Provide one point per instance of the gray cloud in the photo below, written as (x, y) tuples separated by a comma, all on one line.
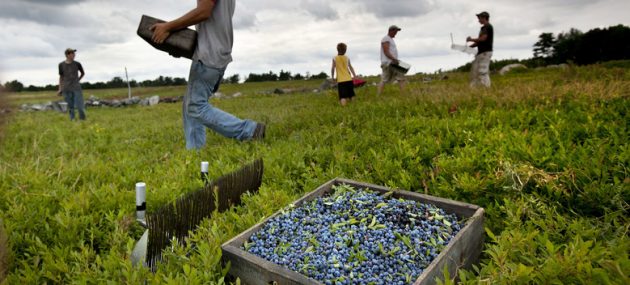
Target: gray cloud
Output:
[(244, 17), (319, 9), (558, 3), (53, 2), (397, 8), (40, 13), (247, 11)]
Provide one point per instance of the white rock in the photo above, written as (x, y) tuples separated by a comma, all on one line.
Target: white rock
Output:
[(510, 67), (154, 100)]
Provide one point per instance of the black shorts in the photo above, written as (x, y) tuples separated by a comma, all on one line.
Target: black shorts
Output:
[(346, 89)]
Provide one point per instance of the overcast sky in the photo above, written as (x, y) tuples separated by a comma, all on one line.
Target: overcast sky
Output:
[(295, 35)]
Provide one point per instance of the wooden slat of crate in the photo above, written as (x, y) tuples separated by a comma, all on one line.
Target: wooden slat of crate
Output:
[(461, 252)]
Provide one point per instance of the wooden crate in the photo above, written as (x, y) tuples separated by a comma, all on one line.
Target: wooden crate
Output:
[(461, 252), (180, 43)]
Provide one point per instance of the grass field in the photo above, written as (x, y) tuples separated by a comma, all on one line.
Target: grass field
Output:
[(546, 152)]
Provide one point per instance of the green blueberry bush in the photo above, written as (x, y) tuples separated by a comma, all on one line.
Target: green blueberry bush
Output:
[(545, 152)]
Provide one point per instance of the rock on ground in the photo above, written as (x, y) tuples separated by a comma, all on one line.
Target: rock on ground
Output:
[(510, 67)]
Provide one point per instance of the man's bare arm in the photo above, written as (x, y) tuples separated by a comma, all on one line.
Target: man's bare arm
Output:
[(203, 11), (481, 38), (385, 46), (60, 85)]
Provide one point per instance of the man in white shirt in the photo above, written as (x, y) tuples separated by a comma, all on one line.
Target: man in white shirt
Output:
[(389, 55)]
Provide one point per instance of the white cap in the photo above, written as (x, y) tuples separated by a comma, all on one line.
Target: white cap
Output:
[(141, 189)]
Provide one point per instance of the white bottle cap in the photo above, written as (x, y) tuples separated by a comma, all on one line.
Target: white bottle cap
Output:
[(141, 189)]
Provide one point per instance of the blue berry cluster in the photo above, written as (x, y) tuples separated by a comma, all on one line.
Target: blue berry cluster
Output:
[(356, 236)]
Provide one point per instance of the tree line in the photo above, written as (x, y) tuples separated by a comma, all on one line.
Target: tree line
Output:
[(283, 76), (118, 82), (596, 45)]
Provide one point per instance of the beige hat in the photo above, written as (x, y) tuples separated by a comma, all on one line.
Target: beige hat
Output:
[(70, 50)]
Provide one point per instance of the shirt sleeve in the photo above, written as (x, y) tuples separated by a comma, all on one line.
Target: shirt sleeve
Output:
[(80, 67), (60, 70), (484, 30)]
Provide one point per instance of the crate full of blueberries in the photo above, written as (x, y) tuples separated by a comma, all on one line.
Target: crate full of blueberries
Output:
[(349, 232)]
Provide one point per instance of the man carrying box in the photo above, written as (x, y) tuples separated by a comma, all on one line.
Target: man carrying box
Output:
[(213, 20), (389, 56)]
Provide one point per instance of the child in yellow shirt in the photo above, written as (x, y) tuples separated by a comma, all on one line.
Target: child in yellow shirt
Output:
[(341, 64)]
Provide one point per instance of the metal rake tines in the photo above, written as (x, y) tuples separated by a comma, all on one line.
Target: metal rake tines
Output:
[(177, 219), (4, 253), (230, 187)]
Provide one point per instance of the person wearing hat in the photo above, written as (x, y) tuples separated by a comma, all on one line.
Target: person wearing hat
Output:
[(213, 20), (70, 73), (480, 70), (389, 55)]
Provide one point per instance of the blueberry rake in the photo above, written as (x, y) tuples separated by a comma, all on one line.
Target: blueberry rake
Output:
[(4, 253), (175, 220)]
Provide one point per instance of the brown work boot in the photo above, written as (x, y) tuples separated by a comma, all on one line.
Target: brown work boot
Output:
[(259, 132)]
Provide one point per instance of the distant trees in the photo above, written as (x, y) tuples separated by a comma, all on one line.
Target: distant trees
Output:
[(564, 50), (607, 44), (596, 45), (234, 79), (161, 81), (14, 86), (321, 75), (543, 48), (270, 76), (116, 82), (282, 76)]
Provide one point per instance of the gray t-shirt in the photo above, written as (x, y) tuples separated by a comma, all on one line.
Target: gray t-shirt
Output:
[(215, 36), (69, 73)]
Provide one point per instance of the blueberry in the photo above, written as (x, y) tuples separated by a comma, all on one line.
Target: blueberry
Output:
[(334, 252)]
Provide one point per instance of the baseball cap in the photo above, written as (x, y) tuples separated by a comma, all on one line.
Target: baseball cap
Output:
[(70, 50), (483, 14), (394, 27)]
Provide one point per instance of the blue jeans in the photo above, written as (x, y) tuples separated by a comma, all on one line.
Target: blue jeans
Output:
[(198, 113), (75, 100)]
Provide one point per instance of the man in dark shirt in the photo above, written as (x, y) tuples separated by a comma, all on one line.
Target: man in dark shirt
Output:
[(480, 70), (69, 85)]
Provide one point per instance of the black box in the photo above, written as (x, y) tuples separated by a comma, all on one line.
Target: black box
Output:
[(180, 43)]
